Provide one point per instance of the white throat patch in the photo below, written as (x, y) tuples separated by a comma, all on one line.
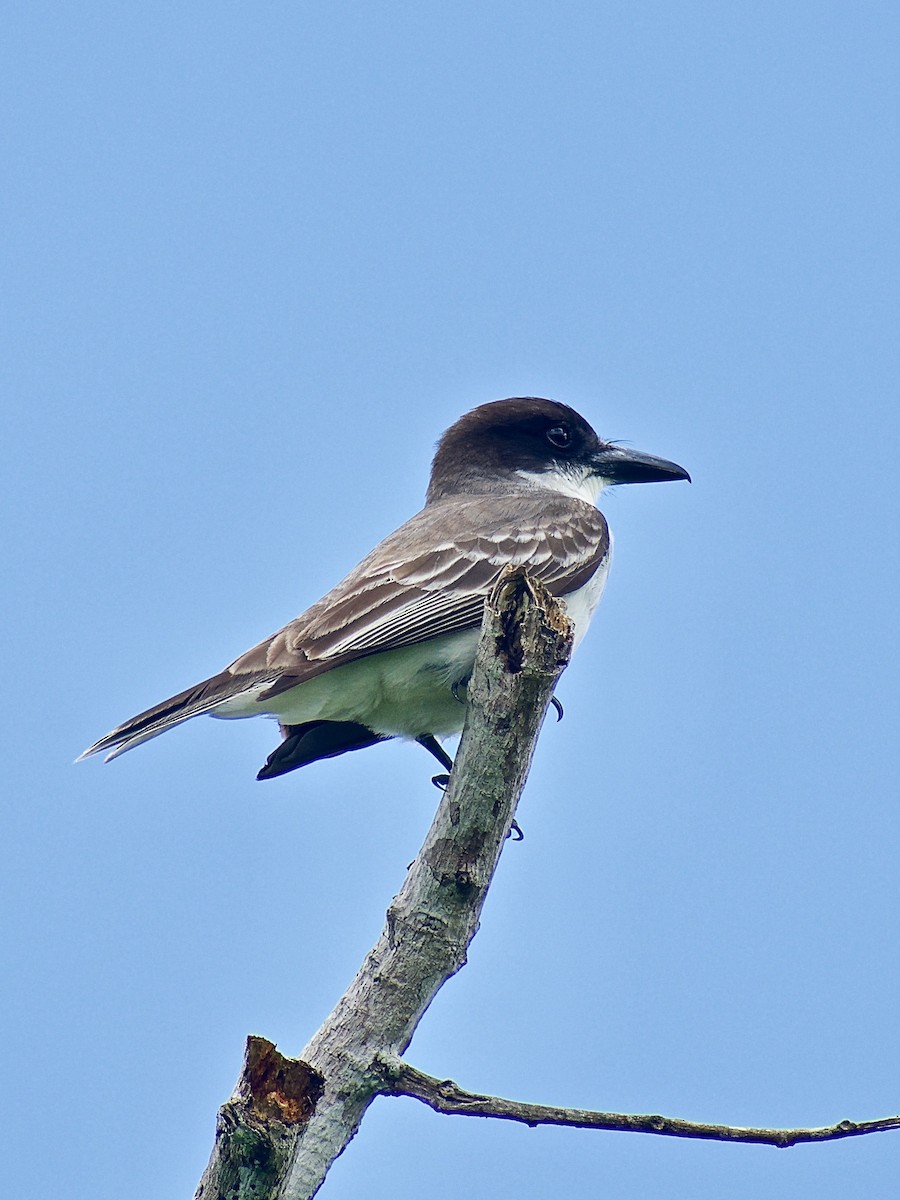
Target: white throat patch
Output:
[(579, 483)]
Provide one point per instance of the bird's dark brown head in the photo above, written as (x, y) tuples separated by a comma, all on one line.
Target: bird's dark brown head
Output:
[(506, 442)]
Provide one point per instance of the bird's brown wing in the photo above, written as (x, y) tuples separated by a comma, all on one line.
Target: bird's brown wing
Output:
[(431, 578), (428, 578)]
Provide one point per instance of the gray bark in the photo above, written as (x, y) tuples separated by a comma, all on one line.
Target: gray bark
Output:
[(289, 1119)]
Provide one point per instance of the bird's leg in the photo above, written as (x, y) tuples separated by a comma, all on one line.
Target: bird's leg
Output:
[(560, 711), (431, 743), (433, 746)]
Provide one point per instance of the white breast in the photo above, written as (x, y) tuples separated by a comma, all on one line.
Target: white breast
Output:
[(582, 603)]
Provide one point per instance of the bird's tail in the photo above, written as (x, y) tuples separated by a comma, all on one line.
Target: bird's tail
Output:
[(201, 698)]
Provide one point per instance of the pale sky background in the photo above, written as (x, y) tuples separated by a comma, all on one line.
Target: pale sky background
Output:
[(256, 259)]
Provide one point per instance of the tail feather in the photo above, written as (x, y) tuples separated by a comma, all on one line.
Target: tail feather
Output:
[(201, 698)]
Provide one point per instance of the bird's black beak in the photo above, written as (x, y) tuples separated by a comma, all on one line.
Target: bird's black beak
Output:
[(618, 464)]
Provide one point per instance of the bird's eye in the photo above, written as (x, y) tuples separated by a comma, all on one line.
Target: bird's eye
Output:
[(559, 435)]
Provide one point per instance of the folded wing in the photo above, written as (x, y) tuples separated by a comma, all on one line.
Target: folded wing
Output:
[(428, 578)]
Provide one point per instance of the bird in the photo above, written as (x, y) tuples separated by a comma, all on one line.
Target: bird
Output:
[(388, 651)]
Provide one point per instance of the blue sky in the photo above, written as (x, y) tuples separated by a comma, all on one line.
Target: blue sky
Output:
[(256, 259)]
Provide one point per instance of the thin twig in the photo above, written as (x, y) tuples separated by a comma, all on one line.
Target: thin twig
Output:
[(444, 1096)]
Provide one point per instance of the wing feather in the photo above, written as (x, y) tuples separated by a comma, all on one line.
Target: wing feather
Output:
[(399, 596)]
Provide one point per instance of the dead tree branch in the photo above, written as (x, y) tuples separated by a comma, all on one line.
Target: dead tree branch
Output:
[(288, 1119), (444, 1096)]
